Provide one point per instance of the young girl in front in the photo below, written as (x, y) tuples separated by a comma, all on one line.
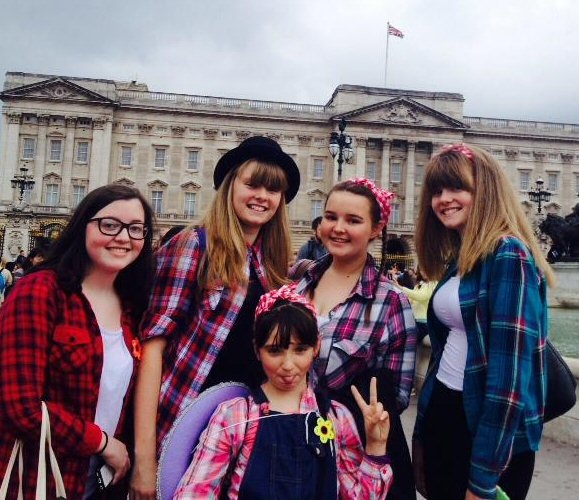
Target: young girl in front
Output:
[(285, 441), (197, 330)]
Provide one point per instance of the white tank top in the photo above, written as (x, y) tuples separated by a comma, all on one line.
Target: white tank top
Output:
[(446, 306), (115, 379)]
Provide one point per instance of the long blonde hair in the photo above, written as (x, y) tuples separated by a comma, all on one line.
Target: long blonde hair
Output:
[(226, 246), (495, 213)]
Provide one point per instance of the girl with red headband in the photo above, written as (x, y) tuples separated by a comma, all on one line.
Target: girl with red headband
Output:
[(366, 325), (285, 441)]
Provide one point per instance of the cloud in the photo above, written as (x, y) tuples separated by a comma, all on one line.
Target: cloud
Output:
[(511, 59)]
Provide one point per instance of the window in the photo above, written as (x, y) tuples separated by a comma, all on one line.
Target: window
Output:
[(82, 152), (396, 173), (395, 215), (553, 156), (28, 148), (52, 195), (157, 201), (192, 160), (371, 170), (126, 156), (55, 150), (190, 207), (317, 209), (524, 180), (128, 126), (418, 174), (160, 157), (577, 184), (553, 182), (78, 193), (84, 122), (318, 168)]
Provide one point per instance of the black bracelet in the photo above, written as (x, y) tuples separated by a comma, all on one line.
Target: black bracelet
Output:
[(100, 452)]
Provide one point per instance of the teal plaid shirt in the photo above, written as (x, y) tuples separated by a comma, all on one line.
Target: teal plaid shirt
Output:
[(504, 309)]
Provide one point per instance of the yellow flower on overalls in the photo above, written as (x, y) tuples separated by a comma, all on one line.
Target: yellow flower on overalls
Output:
[(325, 429)]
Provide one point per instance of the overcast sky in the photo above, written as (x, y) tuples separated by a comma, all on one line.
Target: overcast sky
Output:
[(509, 58)]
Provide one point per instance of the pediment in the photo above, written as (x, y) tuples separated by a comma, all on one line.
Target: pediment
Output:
[(191, 185), (316, 192), (57, 89), (402, 111), (124, 181)]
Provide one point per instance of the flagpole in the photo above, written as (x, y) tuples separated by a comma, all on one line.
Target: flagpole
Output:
[(386, 59)]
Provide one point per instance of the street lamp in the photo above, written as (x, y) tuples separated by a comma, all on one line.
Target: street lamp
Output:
[(23, 182), (341, 145), (539, 195)]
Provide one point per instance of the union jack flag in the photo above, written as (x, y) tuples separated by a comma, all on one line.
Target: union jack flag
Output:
[(395, 32)]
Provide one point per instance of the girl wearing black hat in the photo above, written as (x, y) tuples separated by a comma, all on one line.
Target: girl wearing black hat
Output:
[(197, 330)]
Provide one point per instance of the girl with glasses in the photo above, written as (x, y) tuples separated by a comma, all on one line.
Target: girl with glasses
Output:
[(69, 338)]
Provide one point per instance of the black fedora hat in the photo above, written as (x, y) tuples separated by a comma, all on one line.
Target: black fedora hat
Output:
[(259, 148)]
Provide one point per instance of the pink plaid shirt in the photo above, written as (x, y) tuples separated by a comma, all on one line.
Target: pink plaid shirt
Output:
[(359, 476), (351, 345), (195, 331)]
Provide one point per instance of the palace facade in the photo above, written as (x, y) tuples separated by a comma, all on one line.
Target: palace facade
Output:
[(71, 135)]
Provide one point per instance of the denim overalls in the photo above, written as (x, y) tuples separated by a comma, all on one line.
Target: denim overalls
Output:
[(288, 460)]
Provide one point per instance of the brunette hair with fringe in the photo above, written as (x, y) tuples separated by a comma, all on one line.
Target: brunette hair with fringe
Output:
[(495, 213), (68, 255), (375, 212), (226, 253), (287, 318)]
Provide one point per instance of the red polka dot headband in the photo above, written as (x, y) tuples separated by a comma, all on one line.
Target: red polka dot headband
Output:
[(382, 196), (459, 148), (286, 292)]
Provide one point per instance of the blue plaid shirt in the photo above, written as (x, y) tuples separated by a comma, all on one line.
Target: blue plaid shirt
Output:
[(504, 308)]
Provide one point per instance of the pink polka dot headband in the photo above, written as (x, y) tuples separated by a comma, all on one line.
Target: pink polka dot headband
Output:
[(382, 196), (459, 148), (286, 292)]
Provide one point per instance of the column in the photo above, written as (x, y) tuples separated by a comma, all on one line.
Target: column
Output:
[(40, 163), (10, 154), (101, 152), (65, 186), (409, 194), (385, 177), (360, 158)]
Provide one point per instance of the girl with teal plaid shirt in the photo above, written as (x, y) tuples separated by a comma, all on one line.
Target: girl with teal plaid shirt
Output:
[(480, 411)]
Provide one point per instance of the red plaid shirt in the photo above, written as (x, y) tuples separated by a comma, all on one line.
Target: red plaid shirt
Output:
[(196, 332), (51, 350)]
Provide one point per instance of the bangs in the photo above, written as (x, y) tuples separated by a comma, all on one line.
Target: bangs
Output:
[(286, 319), (449, 171), (268, 175)]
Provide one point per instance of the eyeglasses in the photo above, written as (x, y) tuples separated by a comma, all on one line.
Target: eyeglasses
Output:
[(110, 226)]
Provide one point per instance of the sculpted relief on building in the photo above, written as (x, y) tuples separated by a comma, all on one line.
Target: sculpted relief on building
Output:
[(75, 134)]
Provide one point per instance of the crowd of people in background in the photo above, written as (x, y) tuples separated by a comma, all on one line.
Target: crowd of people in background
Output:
[(118, 335)]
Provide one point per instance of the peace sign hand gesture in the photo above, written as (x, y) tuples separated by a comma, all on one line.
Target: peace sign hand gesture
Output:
[(376, 420)]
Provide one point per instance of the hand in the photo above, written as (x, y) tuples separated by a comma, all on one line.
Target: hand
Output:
[(418, 466), (144, 481), (117, 456), (471, 496), (376, 420)]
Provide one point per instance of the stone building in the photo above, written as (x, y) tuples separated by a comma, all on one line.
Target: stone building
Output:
[(74, 134)]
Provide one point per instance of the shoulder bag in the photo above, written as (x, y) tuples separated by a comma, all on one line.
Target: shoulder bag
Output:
[(17, 452), (561, 385)]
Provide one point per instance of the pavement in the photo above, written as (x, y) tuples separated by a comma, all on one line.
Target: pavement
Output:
[(556, 475)]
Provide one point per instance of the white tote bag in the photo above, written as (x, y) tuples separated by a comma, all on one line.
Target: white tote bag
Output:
[(41, 475)]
